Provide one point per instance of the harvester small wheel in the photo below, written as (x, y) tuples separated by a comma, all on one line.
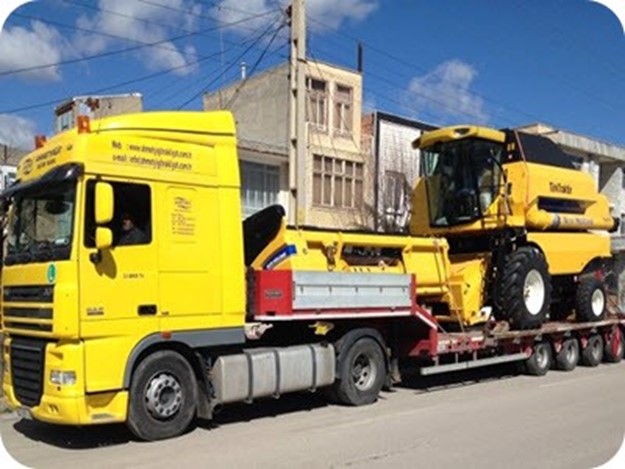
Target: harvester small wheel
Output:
[(163, 396), (592, 354), (568, 356), (613, 349), (590, 301), (539, 362), (361, 373), (524, 289)]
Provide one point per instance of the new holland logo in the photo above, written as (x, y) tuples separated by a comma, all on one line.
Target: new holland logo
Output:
[(560, 188)]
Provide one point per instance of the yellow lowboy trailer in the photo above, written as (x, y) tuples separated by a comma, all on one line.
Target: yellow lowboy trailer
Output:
[(131, 292)]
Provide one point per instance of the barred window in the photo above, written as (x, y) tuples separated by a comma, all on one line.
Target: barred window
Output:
[(337, 182)]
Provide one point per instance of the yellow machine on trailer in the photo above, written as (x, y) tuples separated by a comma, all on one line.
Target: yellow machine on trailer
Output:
[(516, 202)]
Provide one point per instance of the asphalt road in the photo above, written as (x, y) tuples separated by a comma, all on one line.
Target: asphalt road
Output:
[(484, 419)]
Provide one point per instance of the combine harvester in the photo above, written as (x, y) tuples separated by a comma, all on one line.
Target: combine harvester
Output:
[(198, 311)]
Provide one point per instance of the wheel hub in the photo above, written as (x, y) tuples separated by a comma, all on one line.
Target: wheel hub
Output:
[(163, 396), (534, 292), (363, 372), (597, 302)]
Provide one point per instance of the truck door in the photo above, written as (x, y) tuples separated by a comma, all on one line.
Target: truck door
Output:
[(119, 292)]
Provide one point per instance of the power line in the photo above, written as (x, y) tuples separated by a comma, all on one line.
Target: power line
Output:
[(257, 40), (127, 49)]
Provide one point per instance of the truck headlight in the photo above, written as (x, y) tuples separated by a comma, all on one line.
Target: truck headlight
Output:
[(63, 378)]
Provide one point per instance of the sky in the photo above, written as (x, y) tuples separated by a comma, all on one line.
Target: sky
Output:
[(497, 63)]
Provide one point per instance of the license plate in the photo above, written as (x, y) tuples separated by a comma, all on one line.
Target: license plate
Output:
[(24, 413)]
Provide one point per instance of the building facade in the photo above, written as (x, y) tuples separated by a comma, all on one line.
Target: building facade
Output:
[(96, 107), (338, 174), (10, 157)]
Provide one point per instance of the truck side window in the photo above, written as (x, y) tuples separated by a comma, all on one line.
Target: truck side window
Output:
[(132, 222)]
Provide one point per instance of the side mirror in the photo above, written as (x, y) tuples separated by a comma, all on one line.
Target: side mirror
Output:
[(103, 238), (104, 203)]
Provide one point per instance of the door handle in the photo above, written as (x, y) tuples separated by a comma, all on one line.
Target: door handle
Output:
[(146, 310)]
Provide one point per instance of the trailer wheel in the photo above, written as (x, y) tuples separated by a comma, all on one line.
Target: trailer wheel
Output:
[(163, 396), (593, 353), (361, 373), (540, 361), (524, 291), (590, 300), (568, 357), (613, 350)]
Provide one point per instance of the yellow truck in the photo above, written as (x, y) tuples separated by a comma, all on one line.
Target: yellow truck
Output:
[(132, 292)]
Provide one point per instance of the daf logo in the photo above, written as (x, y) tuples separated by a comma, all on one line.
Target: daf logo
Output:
[(27, 166)]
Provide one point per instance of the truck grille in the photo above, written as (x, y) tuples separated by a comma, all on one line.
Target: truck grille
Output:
[(28, 308), (27, 365)]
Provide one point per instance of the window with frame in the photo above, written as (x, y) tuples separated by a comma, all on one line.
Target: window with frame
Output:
[(337, 182), (132, 221), (343, 105), (317, 103)]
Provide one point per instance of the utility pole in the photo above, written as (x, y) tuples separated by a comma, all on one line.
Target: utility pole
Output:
[(297, 114)]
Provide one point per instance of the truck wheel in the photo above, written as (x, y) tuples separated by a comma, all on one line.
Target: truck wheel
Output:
[(590, 301), (525, 289), (613, 350), (568, 357), (540, 361), (163, 396), (361, 373), (592, 354)]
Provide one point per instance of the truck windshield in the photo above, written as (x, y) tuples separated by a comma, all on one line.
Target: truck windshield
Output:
[(40, 223), (462, 179)]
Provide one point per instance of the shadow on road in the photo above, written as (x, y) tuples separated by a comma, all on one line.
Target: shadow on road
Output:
[(78, 438)]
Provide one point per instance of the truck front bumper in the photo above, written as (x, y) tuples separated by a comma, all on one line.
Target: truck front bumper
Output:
[(90, 409)]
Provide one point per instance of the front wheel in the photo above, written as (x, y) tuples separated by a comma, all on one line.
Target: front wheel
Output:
[(590, 301), (163, 396), (361, 373)]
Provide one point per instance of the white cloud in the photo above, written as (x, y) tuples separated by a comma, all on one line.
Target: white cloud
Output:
[(16, 131), (127, 23), (445, 92), (22, 48), (332, 13)]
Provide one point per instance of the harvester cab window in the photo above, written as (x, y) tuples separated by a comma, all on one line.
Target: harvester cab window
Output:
[(132, 220), (462, 179)]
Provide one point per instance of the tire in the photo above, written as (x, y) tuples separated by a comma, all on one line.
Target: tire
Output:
[(540, 361), (613, 349), (568, 357), (163, 397), (590, 300), (524, 293), (593, 353), (361, 373)]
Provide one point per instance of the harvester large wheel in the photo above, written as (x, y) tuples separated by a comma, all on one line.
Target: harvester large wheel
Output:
[(590, 301), (524, 290)]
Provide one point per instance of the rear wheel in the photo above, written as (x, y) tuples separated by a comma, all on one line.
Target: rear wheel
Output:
[(163, 396), (613, 350), (593, 353), (524, 292), (590, 300), (361, 373), (568, 356), (540, 361)]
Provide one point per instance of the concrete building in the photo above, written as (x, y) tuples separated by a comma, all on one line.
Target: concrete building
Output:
[(606, 163), (397, 166), (95, 107), (339, 189)]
